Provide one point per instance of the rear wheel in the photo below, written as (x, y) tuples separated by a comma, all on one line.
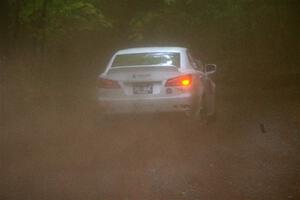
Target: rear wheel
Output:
[(198, 112), (212, 117), (103, 120)]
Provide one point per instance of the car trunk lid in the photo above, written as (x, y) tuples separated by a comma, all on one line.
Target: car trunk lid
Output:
[(143, 80)]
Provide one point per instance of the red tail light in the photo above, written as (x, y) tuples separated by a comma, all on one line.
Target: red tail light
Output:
[(185, 81), (108, 84)]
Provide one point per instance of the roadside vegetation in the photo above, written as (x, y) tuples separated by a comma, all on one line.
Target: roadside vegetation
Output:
[(52, 49)]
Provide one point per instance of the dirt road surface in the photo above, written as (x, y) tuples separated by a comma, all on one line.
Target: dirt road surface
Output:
[(60, 150)]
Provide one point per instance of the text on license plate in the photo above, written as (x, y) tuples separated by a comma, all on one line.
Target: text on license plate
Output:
[(143, 89)]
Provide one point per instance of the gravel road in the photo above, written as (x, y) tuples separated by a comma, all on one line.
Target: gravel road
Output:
[(62, 151)]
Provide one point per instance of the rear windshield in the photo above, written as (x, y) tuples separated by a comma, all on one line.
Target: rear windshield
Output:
[(148, 59)]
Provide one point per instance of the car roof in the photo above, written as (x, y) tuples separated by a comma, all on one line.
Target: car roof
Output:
[(151, 49)]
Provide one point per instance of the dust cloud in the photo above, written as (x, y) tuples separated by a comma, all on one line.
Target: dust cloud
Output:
[(54, 146)]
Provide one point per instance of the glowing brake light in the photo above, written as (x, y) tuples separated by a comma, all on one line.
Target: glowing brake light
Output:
[(185, 80), (108, 84)]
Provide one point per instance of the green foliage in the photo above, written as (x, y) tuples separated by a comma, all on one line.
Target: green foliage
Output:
[(221, 28), (61, 18), (77, 16), (169, 2)]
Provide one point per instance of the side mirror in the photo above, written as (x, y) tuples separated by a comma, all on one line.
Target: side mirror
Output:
[(210, 68), (198, 62)]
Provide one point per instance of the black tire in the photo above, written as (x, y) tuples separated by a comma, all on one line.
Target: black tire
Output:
[(103, 120), (212, 118), (207, 118), (198, 113)]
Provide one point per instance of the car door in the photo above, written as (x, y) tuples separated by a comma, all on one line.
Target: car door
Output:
[(206, 80), (198, 67)]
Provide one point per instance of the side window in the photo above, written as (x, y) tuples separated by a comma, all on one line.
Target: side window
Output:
[(200, 65), (196, 64)]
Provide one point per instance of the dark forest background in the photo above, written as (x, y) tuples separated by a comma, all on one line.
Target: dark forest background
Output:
[(54, 145), (47, 45)]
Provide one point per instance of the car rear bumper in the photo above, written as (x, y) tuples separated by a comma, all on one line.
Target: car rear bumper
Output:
[(178, 103)]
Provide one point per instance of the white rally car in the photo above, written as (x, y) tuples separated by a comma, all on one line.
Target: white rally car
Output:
[(156, 80)]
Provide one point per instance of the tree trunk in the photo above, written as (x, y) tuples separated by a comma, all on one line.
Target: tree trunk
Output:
[(4, 23), (17, 24), (44, 26)]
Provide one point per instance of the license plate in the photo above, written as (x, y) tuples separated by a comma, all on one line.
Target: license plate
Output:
[(143, 89)]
